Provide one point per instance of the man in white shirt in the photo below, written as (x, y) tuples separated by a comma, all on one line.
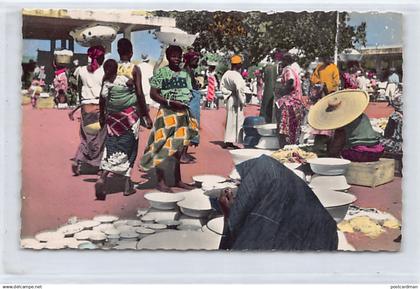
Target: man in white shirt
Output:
[(233, 89)]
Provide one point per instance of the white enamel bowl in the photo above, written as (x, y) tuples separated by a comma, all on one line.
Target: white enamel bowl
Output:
[(329, 166), (208, 179), (336, 203), (337, 183), (180, 240), (268, 129), (163, 201), (242, 155), (197, 206), (216, 225), (268, 143), (180, 39), (215, 190)]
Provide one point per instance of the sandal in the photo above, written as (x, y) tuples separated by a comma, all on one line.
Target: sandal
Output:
[(75, 168), (129, 190)]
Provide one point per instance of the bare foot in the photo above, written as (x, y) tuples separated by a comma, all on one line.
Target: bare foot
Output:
[(186, 186), (100, 190)]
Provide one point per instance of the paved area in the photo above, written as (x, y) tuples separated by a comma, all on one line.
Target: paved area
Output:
[(51, 195)]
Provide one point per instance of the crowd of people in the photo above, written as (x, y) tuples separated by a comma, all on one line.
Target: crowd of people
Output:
[(114, 99), (290, 93)]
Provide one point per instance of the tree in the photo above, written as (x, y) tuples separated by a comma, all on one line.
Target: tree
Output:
[(255, 34)]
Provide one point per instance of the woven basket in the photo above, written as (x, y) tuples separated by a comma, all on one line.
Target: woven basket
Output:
[(46, 102), (26, 100)]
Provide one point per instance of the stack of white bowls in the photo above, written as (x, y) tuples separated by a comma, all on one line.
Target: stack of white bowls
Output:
[(330, 185), (269, 139)]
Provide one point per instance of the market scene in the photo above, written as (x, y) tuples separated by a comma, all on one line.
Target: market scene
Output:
[(199, 130)]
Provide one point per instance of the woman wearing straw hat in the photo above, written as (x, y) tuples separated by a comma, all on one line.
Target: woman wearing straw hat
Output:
[(233, 89), (354, 138)]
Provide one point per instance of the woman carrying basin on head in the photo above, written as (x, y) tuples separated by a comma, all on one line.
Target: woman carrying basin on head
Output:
[(92, 136), (174, 126), (122, 106)]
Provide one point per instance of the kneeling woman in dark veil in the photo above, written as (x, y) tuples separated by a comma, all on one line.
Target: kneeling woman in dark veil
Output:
[(274, 209)]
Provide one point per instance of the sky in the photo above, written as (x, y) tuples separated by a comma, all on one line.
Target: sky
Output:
[(382, 29)]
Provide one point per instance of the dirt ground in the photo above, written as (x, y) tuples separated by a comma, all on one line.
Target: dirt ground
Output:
[(51, 195)]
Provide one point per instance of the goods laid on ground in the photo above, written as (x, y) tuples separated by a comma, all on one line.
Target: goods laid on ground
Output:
[(293, 155), (368, 221), (379, 124)]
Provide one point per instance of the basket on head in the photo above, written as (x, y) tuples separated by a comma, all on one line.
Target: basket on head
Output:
[(63, 56)]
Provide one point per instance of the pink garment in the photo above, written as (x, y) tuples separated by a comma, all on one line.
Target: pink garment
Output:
[(60, 81), (94, 53), (350, 81), (190, 56), (363, 153), (211, 87), (289, 73), (119, 122)]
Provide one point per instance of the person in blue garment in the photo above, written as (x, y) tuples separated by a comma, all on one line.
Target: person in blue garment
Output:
[(273, 209)]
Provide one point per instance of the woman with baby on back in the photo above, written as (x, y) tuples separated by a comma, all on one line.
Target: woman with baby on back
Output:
[(122, 105)]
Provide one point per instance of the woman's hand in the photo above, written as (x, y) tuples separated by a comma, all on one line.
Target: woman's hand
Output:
[(148, 121), (130, 83), (226, 200)]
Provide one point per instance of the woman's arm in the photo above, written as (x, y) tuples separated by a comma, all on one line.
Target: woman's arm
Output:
[(172, 104), (102, 104), (71, 113), (338, 142), (141, 100), (391, 126)]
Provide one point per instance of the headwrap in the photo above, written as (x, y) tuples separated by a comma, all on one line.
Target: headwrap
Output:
[(397, 102), (94, 53), (236, 59), (278, 56), (190, 56)]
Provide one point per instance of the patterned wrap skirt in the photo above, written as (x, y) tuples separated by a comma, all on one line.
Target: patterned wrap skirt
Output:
[(122, 142), (91, 144), (290, 113), (172, 130)]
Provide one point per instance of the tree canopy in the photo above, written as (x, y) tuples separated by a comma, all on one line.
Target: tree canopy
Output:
[(255, 34)]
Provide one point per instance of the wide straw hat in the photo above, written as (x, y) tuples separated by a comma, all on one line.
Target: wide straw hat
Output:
[(338, 109)]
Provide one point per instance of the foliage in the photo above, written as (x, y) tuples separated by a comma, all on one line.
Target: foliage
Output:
[(255, 34)]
